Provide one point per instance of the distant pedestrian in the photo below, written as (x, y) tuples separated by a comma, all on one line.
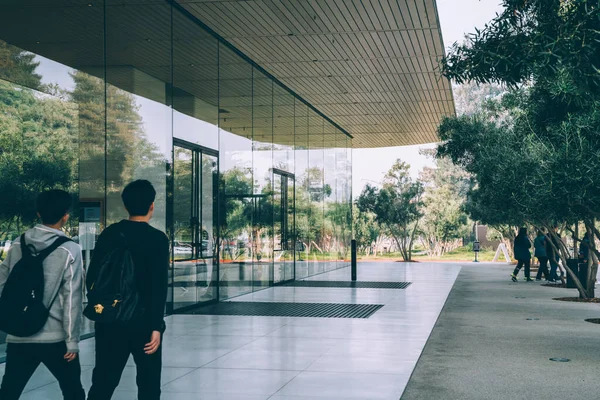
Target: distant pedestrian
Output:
[(523, 255), (129, 321), (539, 245), (47, 251)]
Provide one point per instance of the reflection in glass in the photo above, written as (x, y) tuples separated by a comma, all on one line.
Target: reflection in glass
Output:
[(259, 189), (237, 205)]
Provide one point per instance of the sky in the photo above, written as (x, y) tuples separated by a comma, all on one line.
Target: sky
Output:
[(457, 17)]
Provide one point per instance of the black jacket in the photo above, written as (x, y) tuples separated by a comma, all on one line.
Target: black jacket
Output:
[(150, 251)]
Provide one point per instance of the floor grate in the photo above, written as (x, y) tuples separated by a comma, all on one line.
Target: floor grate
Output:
[(350, 284), (273, 309)]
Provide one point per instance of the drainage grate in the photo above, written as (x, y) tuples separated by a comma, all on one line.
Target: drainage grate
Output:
[(350, 284), (268, 309)]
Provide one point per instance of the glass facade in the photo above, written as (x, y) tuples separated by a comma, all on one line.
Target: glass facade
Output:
[(253, 186)]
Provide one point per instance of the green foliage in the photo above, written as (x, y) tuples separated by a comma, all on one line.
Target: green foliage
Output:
[(444, 221), (396, 206), (38, 151), (18, 66), (366, 229), (541, 164)]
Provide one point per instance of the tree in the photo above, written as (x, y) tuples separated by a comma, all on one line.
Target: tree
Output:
[(366, 230), (18, 66), (547, 151), (396, 206), (38, 151), (444, 221)]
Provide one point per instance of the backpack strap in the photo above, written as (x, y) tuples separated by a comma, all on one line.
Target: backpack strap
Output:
[(55, 245), (25, 251)]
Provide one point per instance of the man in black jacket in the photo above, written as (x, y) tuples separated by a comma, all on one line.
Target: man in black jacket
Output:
[(141, 338)]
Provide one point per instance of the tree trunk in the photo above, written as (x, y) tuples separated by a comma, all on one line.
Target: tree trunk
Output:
[(592, 263), (582, 291)]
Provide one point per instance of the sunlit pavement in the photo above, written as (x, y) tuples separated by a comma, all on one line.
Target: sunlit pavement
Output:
[(259, 358)]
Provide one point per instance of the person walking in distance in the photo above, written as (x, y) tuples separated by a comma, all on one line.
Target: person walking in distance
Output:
[(43, 252), (539, 245), (522, 254), (129, 321)]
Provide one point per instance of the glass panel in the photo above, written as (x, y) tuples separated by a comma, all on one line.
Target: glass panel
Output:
[(317, 194), (330, 172), (278, 228), (208, 263), (139, 118), (52, 117), (262, 162), (348, 198), (303, 202), (184, 266), (283, 129), (237, 207), (283, 212), (290, 238), (183, 194), (195, 83), (342, 201)]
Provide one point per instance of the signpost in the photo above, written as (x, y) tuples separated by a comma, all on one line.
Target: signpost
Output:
[(476, 249), (87, 239)]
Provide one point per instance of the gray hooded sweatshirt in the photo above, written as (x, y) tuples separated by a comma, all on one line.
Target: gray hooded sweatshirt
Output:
[(63, 280)]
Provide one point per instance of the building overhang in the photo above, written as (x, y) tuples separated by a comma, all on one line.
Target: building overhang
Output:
[(370, 67)]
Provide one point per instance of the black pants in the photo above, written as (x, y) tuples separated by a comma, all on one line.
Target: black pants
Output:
[(527, 264), (114, 344), (543, 269), (22, 359)]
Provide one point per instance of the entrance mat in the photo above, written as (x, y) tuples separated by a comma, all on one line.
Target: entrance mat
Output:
[(271, 309), (350, 284)]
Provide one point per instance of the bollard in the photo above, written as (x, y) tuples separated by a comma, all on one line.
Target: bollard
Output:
[(353, 260)]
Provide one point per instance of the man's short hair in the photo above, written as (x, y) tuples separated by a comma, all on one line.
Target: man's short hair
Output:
[(138, 196), (52, 205)]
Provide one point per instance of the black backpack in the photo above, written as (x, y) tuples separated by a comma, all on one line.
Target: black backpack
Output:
[(113, 296), (22, 310)]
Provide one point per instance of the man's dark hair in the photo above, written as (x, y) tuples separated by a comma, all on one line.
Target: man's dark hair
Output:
[(138, 196), (52, 205)]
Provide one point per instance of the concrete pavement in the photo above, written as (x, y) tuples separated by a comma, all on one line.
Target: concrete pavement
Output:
[(484, 347)]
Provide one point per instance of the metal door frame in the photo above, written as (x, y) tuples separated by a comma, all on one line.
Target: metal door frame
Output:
[(288, 176), (196, 213)]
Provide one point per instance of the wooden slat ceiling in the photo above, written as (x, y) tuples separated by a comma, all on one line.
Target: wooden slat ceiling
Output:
[(369, 65)]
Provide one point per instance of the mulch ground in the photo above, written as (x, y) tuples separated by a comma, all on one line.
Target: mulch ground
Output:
[(578, 300)]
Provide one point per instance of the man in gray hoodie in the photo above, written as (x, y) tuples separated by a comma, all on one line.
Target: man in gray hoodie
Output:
[(57, 344)]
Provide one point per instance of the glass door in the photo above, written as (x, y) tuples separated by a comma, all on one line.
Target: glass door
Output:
[(195, 180), (284, 226)]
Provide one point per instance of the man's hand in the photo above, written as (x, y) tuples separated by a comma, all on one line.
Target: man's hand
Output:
[(151, 347), (70, 356)]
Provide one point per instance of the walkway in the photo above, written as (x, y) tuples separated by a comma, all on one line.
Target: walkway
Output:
[(259, 358), (484, 346)]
